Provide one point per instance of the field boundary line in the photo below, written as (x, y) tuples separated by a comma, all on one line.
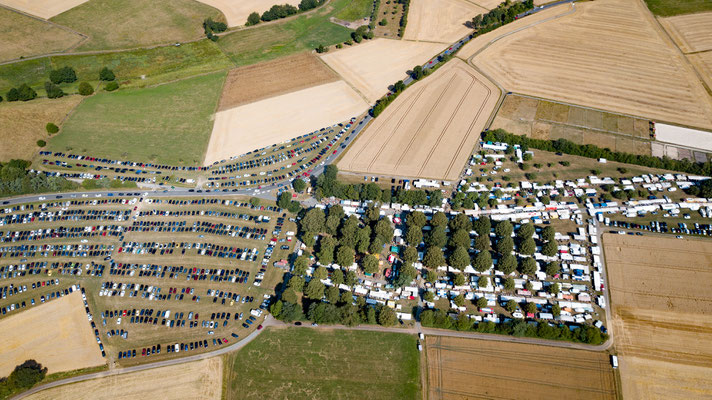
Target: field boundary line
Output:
[(363, 96), (83, 36)]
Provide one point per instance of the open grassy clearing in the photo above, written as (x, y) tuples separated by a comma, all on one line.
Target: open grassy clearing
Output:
[(132, 23), (666, 8), (692, 32), (23, 36), (236, 12), (23, 124), (42, 8), (430, 130), (305, 32), (56, 334), (301, 363), (275, 77), (440, 20), (630, 67), (168, 124), (195, 380), (661, 307), (466, 368), (357, 9)]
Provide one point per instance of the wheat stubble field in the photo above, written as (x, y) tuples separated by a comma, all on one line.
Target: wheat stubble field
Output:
[(626, 66), (440, 20), (429, 130), (662, 315)]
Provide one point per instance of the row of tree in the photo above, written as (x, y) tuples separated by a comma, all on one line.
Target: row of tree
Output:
[(503, 14), (15, 179), (211, 27), (404, 17), (23, 377), (56, 77)]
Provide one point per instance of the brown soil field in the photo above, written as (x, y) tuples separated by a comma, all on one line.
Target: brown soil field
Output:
[(23, 124), (236, 12), (194, 380), (662, 320), (24, 36), (440, 20), (373, 66), (276, 119), (627, 64), (42, 8), (467, 369), (430, 130), (56, 334), (691, 32), (287, 74)]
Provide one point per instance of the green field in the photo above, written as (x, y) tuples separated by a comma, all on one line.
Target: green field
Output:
[(668, 8), (302, 363), (169, 123), (357, 9), (124, 24), (305, 32)]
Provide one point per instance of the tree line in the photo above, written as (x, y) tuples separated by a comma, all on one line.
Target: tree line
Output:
[(16, 179), (505, 13), (279, 11), (57, 77), (211, 27), (404, 17), (23, 377)]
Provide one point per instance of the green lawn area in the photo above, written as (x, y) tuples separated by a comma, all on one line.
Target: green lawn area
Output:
[(169, 123), (357, 9), (668, 8), (112, 24), (302, 363), (158, 65), (305, 32)]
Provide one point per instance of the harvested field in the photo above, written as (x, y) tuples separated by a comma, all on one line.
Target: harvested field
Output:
[(271, 78), (703, 64), (373, 66), (194, 380), (56, 334), (236, 12), (252, 126), (24, 36), (691, 32), (42, 8), (23, 124), (429, 130), (440, 20), (627, 65), (114, 24), (456, 370), (661, 307)]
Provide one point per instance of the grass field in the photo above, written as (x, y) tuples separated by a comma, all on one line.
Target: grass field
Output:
[(476, 369), (169, 123), (270, 41), (356, 9), (133, 23), (430, 130), (23, 36), (661, 314), (56, 334), (23, 124), (300, 363), (194, 380), (666, 8)]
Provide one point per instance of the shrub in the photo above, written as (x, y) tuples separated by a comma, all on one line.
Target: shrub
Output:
[(322, 49), (279, 11), (106, 74), (253, 18), (25, 93), (53, 91), (41, 143), (383, 22), (13, 95), (51, 128), (111, 86), (63, 75), (0, 99), (85, 89)]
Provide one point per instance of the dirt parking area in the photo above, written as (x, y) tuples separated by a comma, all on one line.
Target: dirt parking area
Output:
[(283, 75), (661, 303), (55, 334), (457, 369), (429, 130), (440, 20), (626, 66), (42, 8), (237, 12), (373, 66), (195, 380), (274, 120)]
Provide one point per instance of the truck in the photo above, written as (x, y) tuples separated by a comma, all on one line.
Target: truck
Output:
[(614, 361)]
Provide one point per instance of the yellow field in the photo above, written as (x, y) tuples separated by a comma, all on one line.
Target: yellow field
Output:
[(440, 20), (373, 66), (42, 8), (24, 36), (429, 130), (189, 381), (262, 123), (626, 64), (236, 12), (55, 334), (703, 64), (691, 32)]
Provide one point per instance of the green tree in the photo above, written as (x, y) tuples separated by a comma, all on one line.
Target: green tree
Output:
[(459, 280), (460, 237), (337, 277), (527, 266), (51, 128), (332, 294), (483, 282), (556, 310), (554, 289), (525, 231), (503, 229), (482, 243), (549, 249), (325, 255), (345, 256), (416, 218), (53, 91), (313, 220), (439, 220), (460, 221), (431, 276), (527, 247), (300, 266), (507, 264), (106, 74), (483, 261), (410, 255), (276, 308), (290, 296), (296, 283), (530, 308), (414, 235), (459, 300), (370, 264), (384, 230), (459, 258), (314, 290), (509, 284), (436, 237), (434, 258), (511, 306), (428, 296), (85, 89), (25, 93), (548, 233), (299, 185), (321, 273), (505, 245), (387, 316), (13, 94), (482, 226), (41, 143), (62, 75), (351, 279), (346, 297), (552, 268), (254, 202), (111, 86)]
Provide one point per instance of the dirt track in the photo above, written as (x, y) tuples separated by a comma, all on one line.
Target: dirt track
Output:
[(56, 334), (627, 65), (429, 130), (236, 12), (466, 368), (440, 20), (42, 8), (195, 380)]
